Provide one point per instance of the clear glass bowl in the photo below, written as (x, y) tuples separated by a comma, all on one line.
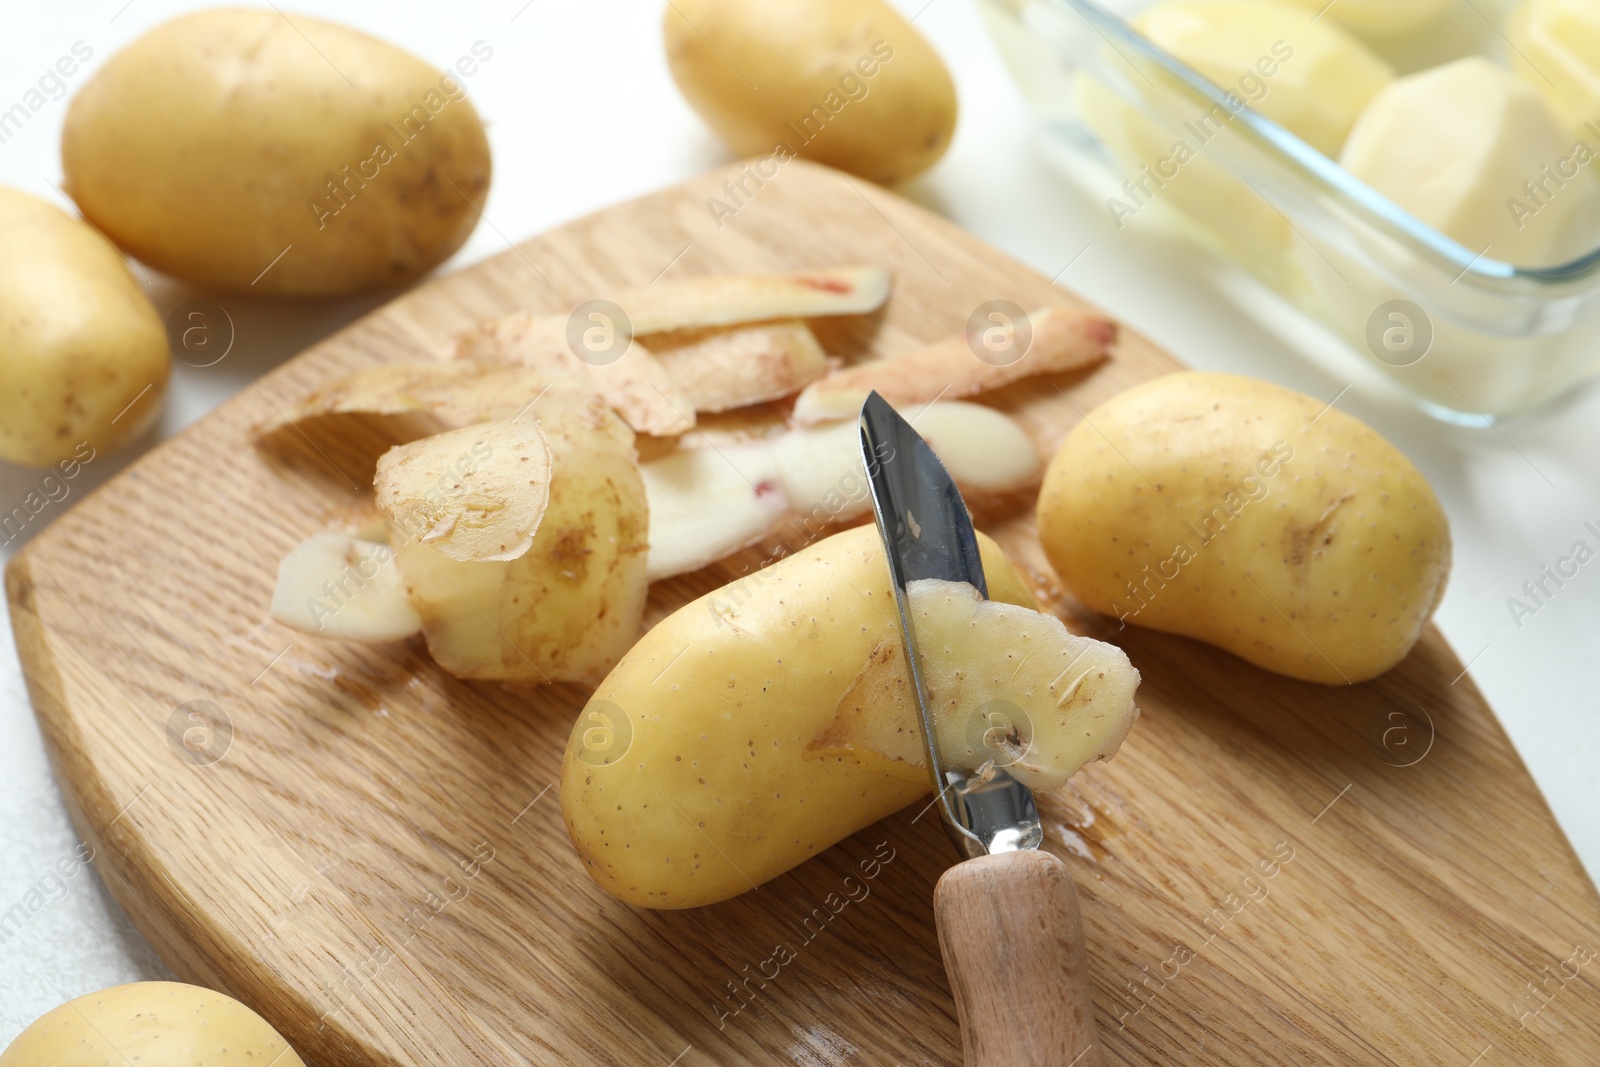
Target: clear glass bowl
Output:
[(1472, 339)]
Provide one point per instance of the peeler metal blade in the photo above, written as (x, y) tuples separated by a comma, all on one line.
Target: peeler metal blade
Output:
[(927, 533)]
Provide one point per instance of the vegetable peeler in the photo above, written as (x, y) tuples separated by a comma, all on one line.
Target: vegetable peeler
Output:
[(1009, 927)]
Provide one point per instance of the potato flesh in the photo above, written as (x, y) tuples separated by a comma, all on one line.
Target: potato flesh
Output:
[(715, 771), (1454, 146), (1321, 77), (1555, 47), (154, 1023), (1380, 18), (1250, 516)]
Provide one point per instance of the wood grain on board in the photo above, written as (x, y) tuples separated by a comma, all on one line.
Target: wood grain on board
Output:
[(371, 853)]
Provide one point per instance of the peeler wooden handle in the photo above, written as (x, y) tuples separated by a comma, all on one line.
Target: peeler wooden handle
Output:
[(1012, 941)]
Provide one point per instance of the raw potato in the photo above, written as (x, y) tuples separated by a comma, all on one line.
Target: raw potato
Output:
[(1256, 233), (740, 736), (849, 83), (1057, 339), (223, 140), (159, 1024), (1380, 18), (567, 609), (1555, 47), (83, 354), (1252, 517), (1459, 146), (1310, 77), (338, 586), (475, 494)]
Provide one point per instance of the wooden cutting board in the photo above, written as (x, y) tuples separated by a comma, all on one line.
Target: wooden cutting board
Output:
[(371, 853)]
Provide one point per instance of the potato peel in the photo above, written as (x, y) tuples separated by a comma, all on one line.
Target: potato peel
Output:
[(1008, 687), (737, 366), (566, 610), (459, 394), (635, 384), (475, 494), (706, 503), (340, 586), (724, 300), (1061, 339)]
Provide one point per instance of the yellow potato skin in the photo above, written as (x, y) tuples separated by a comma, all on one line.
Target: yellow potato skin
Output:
[(703, 787), (567, 609), (155, 1023), (205, 147), (755, 71), (79, 341), (1251, 517)]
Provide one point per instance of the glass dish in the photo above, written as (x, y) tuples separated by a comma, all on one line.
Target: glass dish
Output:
[(1471, 339)]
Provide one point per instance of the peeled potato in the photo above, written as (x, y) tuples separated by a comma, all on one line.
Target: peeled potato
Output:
[(83, 354), (1380, 18), (1312, 78), (159, 1024), (1556, 49), (262, 152), (1475, 152), (849, 83)]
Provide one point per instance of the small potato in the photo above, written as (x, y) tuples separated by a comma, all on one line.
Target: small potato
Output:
[(1380, 18), (83, 354), (1250, 516), (1555, 47), (1460, 146), (160, 1024), (1312, 78), (223, 140), (849, 83), (760, 724)]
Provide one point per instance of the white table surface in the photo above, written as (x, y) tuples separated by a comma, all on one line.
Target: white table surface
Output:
[(582, 113)]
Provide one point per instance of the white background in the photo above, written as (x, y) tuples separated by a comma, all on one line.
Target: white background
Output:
[(582, 113)]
